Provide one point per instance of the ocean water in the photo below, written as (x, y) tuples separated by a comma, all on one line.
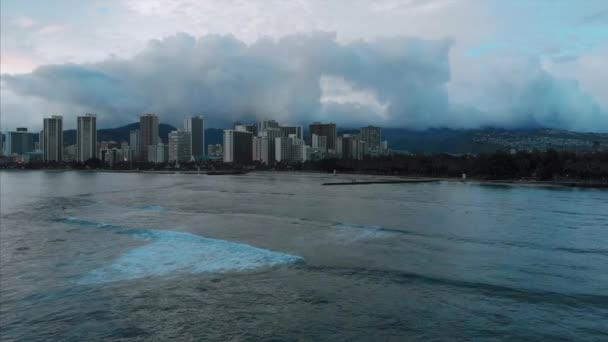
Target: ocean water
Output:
[(277, 256)]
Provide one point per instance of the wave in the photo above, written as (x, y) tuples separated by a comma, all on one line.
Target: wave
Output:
[(517, 294), (356, 232), (170, 252), (154, 208)]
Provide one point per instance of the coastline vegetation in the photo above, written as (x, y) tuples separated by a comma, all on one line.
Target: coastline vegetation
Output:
[(551, 165)]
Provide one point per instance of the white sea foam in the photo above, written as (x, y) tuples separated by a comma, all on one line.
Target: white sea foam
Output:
[(170, 252)]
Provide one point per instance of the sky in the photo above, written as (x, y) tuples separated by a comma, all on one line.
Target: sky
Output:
[(393, 63)]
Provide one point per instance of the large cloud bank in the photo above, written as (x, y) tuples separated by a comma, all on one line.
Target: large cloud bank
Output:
[(300, 78)]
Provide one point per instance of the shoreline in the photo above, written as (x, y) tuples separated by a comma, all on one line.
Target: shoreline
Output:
[(363, 178)]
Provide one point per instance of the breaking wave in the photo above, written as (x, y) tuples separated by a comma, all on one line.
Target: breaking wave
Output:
[(170, 252)]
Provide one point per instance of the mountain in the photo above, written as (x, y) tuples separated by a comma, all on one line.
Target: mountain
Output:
[(490, 140), (120, 134), (441, 140)]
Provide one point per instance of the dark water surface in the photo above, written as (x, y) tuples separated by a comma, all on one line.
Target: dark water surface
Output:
[(91, 256)]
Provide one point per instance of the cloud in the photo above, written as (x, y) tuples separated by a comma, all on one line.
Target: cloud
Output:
[(397, 81), (25, 22), (51, 30)]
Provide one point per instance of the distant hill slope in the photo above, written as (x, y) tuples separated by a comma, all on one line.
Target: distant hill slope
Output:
[(491, 140), (120, 134), (427, 141)]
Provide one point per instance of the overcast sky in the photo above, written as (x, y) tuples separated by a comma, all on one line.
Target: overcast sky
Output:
[(406, 63)]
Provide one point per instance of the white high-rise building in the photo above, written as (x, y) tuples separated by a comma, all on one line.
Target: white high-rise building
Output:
[(266, 124), (179, 146), (260, 149), (195, 125), (290, 149), (86, 142), (157, 153), (53, 138), (271, 133), (319, 142)]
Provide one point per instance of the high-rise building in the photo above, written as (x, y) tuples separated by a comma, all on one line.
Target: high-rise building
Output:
[(352, 147), (157, 153), (319, 142), (347, 146), (290, 149), (86, 140), (372, 136), (53, 138), (327, 130), (339, 147), (148, 128), (246, 128), (134, 143), (260, 149), (19, 142), (179, 146), (271, 133), (195, 125), (238, 147), (286, 131), (266, 124)]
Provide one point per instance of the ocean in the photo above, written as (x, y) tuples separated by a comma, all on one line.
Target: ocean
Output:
[(88, 256)]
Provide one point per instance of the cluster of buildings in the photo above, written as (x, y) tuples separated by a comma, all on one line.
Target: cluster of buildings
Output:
[(184, 144), (145, 144), (266, 142), (29, 146), (543, 140)]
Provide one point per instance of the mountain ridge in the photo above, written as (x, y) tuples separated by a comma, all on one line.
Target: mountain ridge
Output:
[(435, 140)]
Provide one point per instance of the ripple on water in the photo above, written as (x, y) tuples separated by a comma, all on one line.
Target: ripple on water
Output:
[(154, 208), (354, 232)]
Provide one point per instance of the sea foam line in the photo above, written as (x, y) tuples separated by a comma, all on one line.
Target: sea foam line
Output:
[(170, 252)]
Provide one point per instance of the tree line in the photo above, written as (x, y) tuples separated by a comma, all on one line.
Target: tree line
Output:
[(549, 165)]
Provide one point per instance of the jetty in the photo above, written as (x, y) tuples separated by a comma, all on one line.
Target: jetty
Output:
[(386, 181)]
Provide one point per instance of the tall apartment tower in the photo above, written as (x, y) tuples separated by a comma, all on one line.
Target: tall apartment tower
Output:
[(19, 142), (134, 143), (238, 147), (179, 146), (372, 136), (260, 149), (298, 131), (148, 130), (86, 140), (266, 124), (195, 125), (327, 130), (53, 138)]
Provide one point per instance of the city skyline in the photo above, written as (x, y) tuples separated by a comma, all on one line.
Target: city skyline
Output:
[(266, 141)]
